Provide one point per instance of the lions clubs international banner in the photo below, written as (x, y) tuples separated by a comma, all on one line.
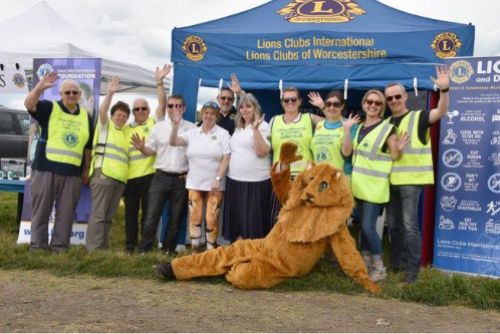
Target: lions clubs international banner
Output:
[(467, 237)]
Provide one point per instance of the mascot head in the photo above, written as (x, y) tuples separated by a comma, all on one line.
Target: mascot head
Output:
[(319, 203), (320, 186)]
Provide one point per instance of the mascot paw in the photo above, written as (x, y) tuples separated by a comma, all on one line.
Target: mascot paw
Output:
[(165, 270), (372, 287), (288, 153)]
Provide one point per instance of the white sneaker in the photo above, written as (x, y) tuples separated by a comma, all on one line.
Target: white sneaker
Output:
[(378, 274)]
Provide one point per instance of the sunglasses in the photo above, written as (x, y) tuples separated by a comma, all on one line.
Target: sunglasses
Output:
[(227, 98), (292, 99), (377, 103), (212, 105), (140, 109), (72, 92), (396, 97), (329, 104), (175, 105)]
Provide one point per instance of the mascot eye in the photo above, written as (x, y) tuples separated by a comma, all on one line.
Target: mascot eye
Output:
[(323, 186)]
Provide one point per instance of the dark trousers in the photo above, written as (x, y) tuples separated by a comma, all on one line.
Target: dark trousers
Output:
[(165, 187), (136, 196)]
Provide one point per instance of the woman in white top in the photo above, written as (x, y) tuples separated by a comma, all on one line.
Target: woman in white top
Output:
[(208, 154), (247, 202)]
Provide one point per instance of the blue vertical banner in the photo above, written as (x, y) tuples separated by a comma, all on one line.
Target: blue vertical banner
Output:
[(467, 237), (87, 72)]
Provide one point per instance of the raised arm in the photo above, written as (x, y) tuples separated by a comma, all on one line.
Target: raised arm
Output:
[(113, 87), (443, 83), (397, 144), (262, 148), (175, 140), (348, 124), (160, 75), (33, 97), (140, 144)]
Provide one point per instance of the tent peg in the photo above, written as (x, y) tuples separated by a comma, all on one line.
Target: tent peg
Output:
[(415, 85), (346, 86)]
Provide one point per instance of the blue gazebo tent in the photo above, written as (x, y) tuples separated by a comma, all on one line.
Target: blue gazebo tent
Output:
[(315, 45)]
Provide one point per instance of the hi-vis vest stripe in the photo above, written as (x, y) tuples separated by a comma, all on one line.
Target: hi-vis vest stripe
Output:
[(67, 136), (299, 133), (371, 166), (415, 166), (114, 155), (139, 164)]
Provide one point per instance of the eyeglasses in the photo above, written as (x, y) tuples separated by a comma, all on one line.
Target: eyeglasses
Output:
[(140, 109), (227, 98), (175, 105), (72, 92), (292, 99), (335, 104), (396, 97), (212, 105), (377, 103)]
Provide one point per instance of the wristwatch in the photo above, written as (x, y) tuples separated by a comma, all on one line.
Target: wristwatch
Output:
[(218, 178)]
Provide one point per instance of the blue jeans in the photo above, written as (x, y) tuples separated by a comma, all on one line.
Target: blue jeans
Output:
[(404, 229), (366, 213)]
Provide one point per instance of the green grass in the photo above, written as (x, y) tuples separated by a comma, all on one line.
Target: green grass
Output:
[(432, 288)]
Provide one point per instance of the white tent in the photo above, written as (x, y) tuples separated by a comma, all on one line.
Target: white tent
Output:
[(40, 32)]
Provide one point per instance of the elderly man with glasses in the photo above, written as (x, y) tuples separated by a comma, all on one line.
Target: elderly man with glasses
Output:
[(410, 173), (61, 163), (141, 170), (169, 180)]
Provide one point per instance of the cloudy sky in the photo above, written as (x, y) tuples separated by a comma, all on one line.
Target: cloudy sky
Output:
[(143, 28)]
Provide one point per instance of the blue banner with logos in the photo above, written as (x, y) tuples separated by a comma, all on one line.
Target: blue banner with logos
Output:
[(87, 72), (467, 237)]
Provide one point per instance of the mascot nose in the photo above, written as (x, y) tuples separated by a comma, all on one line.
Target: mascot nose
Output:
[(309, 197)]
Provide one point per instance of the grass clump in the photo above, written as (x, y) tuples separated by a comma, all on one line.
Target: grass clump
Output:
[(432, 288)]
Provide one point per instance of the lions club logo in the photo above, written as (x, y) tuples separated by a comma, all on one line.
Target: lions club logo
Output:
[(446, 44), (44, 69), (324, 11), (18, 80), (70, 139), (461, 71), (194, 47)]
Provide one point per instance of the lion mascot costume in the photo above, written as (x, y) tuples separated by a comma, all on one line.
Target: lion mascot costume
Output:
[(316, 206)]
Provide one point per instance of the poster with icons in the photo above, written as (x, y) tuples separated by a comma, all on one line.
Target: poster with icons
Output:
[(467, 230)]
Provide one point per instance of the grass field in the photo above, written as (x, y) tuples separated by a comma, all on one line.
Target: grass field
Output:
[(432, 288)]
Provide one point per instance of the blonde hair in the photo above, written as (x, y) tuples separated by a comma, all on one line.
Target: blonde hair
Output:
[(380, 95), (245, 100)]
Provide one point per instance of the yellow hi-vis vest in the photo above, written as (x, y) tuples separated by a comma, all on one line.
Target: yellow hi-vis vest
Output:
[(115, 155), (371, 166), (67, 136), (415, 165), (326, 145), (299, 133), (139, 164)]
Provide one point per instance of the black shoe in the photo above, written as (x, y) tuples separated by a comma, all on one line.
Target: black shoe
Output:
[(165, 270)]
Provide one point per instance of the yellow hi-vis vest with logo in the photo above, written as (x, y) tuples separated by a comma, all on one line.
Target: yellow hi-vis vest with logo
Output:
[(139, 164), (299, 133), (415, 165), (371, 166), (115, 155), (326, 145), (67, 136)]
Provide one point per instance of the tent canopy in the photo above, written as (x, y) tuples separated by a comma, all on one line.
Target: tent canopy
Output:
[(40, 32), (314, 45)]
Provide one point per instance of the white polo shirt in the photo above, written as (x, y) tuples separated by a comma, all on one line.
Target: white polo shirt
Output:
[(169, 158), (204, 153), (245, 165)]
